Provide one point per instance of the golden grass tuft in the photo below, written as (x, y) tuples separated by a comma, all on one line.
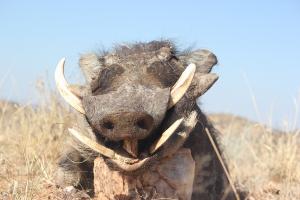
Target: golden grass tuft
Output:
[(31, 138), (265, 162)]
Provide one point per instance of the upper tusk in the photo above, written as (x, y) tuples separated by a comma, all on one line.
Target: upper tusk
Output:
[(100, 148), (182, 85), (64, 90), (165, 136)]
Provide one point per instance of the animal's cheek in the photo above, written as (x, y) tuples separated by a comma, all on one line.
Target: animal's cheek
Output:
[(157, 105), (91, 113), (88, 103), (94, 111)]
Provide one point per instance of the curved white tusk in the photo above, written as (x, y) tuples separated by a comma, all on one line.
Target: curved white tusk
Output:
[(64, 90), (165, 136), (103, 150), (182, 85)]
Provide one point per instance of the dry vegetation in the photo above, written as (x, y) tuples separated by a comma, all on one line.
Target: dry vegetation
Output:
[(266, 163), (30, 141)]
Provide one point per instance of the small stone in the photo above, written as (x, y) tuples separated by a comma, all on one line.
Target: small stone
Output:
[(70, 189)]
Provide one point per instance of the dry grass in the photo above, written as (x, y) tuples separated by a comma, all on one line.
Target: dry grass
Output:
[(266, 163), (30, 141)]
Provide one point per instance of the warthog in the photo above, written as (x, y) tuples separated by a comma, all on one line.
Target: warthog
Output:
[(138, 106)]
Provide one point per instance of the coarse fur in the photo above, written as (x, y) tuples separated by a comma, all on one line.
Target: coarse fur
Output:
[(127, 91)]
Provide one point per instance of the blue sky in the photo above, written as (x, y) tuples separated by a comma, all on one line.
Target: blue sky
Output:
[(257, 44)]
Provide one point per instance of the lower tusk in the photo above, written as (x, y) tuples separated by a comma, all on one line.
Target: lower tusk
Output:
[(131, 146), (182, 85), (132, 167), (100, 148), (165, 136)]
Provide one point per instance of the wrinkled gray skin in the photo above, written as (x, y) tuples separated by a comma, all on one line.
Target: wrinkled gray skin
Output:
[(126, 97)]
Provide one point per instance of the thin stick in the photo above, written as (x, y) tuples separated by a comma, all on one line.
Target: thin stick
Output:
[(222, 163)]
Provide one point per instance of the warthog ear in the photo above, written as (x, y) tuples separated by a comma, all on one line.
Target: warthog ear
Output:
[(90, 65), (203, 59), (203, 79)]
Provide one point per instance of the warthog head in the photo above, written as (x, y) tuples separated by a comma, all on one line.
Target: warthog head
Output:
[(129, 92)]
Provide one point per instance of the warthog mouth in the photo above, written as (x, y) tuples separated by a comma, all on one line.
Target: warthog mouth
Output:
[(166, 144), (128, 161)]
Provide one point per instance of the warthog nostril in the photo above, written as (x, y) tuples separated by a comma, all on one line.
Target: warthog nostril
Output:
[(127, 125), (108, 125), (145, 122), (142, 124)]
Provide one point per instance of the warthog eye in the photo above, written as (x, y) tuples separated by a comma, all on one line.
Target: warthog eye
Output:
[(165, 72), (107, 75)]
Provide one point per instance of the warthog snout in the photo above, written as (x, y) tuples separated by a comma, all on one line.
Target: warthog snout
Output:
[(127, 124)]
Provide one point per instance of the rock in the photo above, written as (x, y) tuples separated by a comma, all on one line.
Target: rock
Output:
[(172, 178), (70, 189)]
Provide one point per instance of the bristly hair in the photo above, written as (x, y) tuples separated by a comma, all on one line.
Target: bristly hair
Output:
[(141, 47), (125, 49)]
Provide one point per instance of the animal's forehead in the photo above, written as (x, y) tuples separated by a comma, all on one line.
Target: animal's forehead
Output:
[(141, 53)]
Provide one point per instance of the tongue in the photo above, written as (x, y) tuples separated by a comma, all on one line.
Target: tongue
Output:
[(131, 146)]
